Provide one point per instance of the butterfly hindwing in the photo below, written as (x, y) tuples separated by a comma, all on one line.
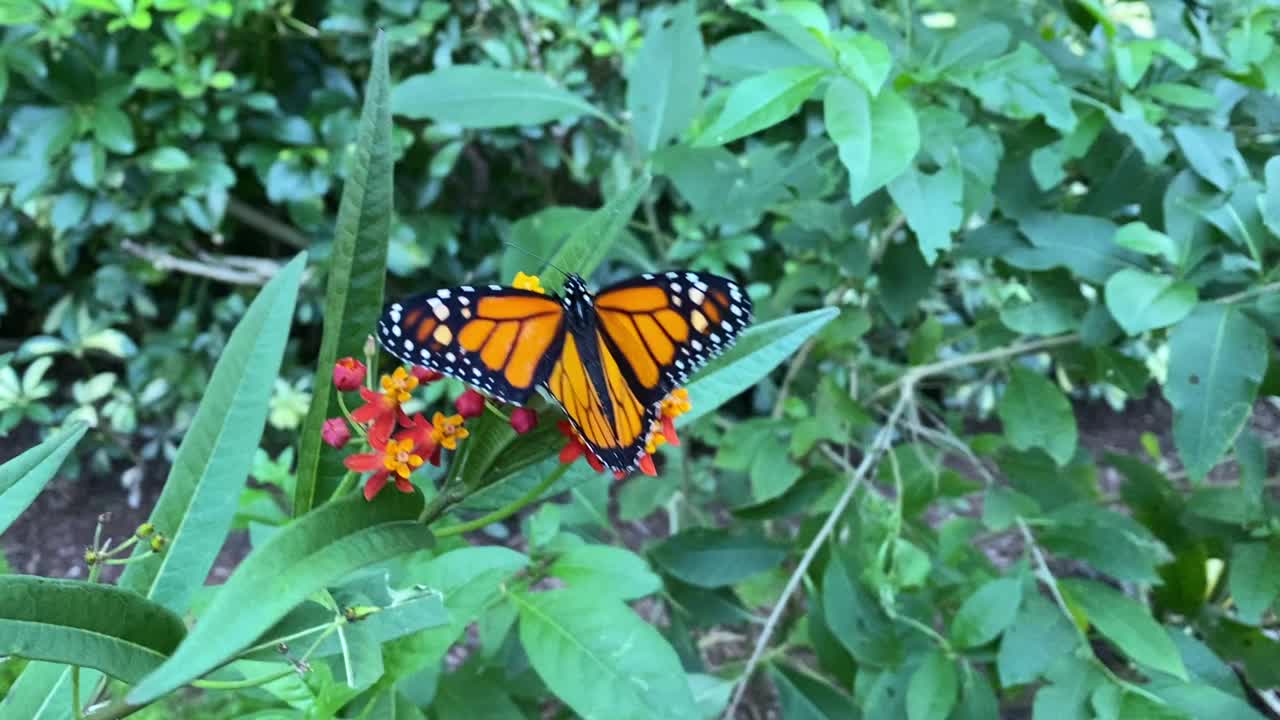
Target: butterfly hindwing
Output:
[(501, 340), (664, 326)]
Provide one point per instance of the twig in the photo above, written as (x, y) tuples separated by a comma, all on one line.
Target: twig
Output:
[(256, 218), (1248, 294), (916, 374), (164, 261), (878, 446), (797, 362)]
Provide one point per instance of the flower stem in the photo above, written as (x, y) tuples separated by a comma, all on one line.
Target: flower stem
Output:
[(344, 487), (246, 683), (509, 510), (75, 693)]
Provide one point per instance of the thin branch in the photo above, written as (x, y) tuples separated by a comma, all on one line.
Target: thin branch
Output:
[(914, 375), (881, 443), (784, 390), (255, 218), (222, 273), (1249, 294)]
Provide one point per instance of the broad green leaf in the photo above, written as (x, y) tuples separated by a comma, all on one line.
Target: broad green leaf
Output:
[(201, 494), (590, 243), (1131, 121), (305, 556), (1126, 623), (170, 160), (1186, 96), (23, 477), (665, 84), (1217, 358), (803, 23), (864, 58), (1206, 701), (604, 571), (974, 43), (477, 96), (1138, 237), (468, 694), (601, 659), (1038, 636), (1022, 85), (1084, 244), (761, 102), (934, 688), (113, 129), (99, 626), (986, 613), (759, 350), (1141, 301), (857, 619), (711, 558), (1212, 154), (1254, 578), (802, 696), (1269, 203), (357, 268), (933, 204), (43, 692), (745, 55), (1035, 413), (877, 137)]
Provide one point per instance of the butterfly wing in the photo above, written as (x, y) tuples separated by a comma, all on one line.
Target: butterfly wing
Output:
[(663, 327), (650, 334), (501, 340)]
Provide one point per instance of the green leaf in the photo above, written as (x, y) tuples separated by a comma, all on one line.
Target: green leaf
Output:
[(713, 558), (113, 129), (857, 619), (601, 570), (590, 243), (745, 55), (23, 477), (1137, 236), (665, 84), (1084, 244), (357, 269), (1186, 96), (74, 622), (1254, 578), (43, 692), (1217, 358), (802, 696), (1269, 203), (1141, 301), (934, 689), (477, 96), (1212, 154), (877, 137), (601, 659), (864, 58), (201, 493), (761, 102), (933, 204), (1039, 635), (1035, 413), (305, 556), (758, 351), (1127, 624), (986, 613), (1022, 85), (170, 160)]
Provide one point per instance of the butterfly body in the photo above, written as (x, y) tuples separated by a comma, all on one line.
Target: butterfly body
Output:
[(608, 359)]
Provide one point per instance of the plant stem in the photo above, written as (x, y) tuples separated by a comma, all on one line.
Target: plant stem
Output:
[(242, 684), (1249, 294), (914, 375), (348, 481), (881, 443), (505, 512), (75, 693)]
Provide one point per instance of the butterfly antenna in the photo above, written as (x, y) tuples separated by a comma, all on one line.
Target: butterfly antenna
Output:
[(537, 256)]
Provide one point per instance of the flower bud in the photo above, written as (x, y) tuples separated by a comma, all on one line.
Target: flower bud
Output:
[(348, 374), (335, 432), (470, 404), (523, 420), (158, 542), (145, 529), (425, 375)]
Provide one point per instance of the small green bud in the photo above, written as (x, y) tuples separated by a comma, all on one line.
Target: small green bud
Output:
[(159, 542), (91, 556), (145, 530)]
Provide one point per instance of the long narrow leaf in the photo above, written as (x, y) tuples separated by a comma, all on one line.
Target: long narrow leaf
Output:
[(203, 490), (357, 270), (22, 478), (42, 691), (303, 557), (98, 626), (589, 245)]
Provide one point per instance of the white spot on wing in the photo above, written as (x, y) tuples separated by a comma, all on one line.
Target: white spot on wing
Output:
[(443, 293)]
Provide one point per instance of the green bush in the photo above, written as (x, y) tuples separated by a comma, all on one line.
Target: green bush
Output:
[(951, 219)]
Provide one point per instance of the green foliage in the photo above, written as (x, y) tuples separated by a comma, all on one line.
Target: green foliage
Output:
[(963, 212)]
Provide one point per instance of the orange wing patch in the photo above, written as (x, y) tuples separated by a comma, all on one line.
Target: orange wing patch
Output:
[(571, 384), (511, 335)]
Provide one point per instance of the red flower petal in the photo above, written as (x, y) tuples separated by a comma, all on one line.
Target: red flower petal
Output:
[(363, 462), (470, 404), (669, 430), (403, 485), (374, 484), (646, 466), (571, 451), (523, 420), (348, 374)]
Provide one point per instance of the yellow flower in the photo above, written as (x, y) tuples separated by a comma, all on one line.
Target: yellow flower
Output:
[(656, 439), (447, 431), (676, 403), (528, 282), (400, 458), (398, 385)]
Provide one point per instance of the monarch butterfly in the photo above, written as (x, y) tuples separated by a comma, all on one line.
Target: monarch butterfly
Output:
[(608, 359)]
